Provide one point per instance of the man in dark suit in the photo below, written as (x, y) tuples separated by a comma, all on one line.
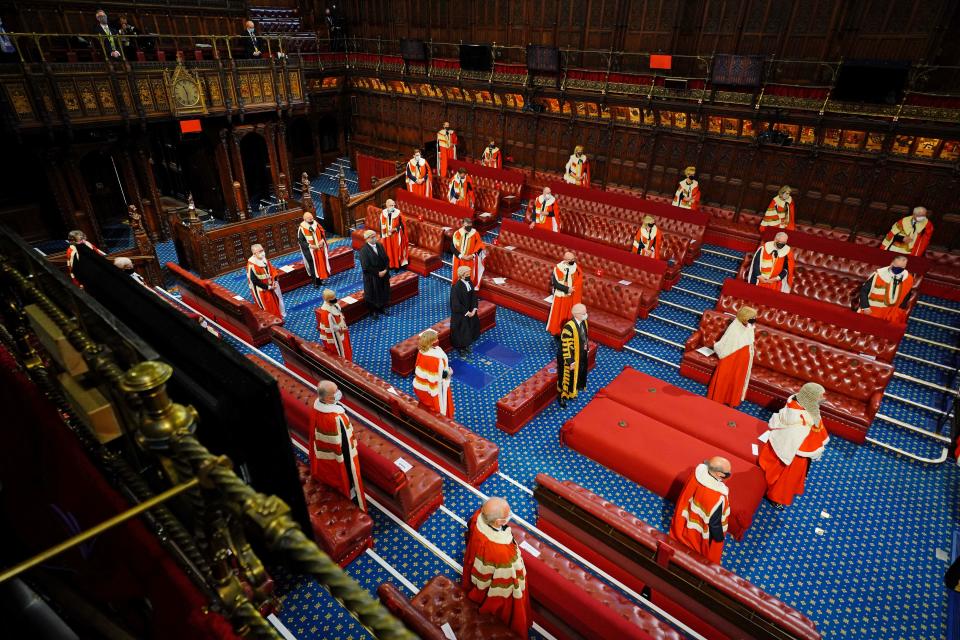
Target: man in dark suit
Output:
[(376, 273), (464, 312), (111, 40), (253, 46)]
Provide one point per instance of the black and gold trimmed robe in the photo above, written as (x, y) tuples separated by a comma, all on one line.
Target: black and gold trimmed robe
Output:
[(572, 348)]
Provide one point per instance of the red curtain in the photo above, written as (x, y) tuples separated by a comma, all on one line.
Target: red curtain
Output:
[(52, 491), (369, 167)]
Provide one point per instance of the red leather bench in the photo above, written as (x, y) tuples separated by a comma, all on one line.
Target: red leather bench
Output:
[(439, 212), (403, 286), (814, 320), (426, 240), (715, 602), (943, 278), (613, 307), (403, 355), (246, 320), (661, 454), (784, 362), (629, 208), (339, 527), (508, 183), (740, 235), (441, 601), (618, 234), (446, 441), (487, 204), (533, 395), (642, 273), (295, 276), (412, 495)]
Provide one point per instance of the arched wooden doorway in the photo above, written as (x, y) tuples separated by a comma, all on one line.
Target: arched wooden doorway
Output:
[(256, 168), (107, 198)]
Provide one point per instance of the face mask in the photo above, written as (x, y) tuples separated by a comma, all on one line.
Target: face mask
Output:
[(752, 321), (920, 218), (492, 145), (571, 262), (650, 226), (584, 318), (896, 270), (507, 520), (337, 396), (102, 19), (468, 227), (780, 245)]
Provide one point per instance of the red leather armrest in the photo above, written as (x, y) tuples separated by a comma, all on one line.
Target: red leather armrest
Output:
[(380, 471), (873, 403), (693, 342), (414, 620)]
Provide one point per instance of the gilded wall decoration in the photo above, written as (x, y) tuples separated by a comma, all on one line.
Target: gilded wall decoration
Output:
[(88, 97), (17, 95)]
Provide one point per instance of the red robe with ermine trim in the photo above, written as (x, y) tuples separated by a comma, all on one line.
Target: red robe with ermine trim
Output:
[(492, 158), (446, 150), (732, 375), (393, 237), (796, 438), (701, 497), (494, 575), (330, 428), (419, 179), (269, 299), (544, 213), (313, 246), (432, 388), (648, 242), (468, 252), (334, 332), (561, 308)]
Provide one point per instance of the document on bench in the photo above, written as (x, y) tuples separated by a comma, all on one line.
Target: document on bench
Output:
[(763, 437), (287, 268), (549, 299), (499, 280), (240, 298), (485, 215), (707, 351), (626, 283), (448, 631), (447, 228), (510, 247), (392, 390), (529, 548), (406, 466), (348, 300), (755, 449)]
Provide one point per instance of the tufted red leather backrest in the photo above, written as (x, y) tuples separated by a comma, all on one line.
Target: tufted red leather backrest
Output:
[(695, 568), (425, 235), (848, 374), (817, 283), (617, 233), (554, 252), (488, 200), (813, 328), (634, 217), (443, 600), (535, 271)]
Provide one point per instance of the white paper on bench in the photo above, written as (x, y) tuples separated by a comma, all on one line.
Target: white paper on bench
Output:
[(707, 351), (864, 355), (526, 546), (549, 299), (510, 247), (626, 283), (754, 449), (349, 300), (406, 466), (763, 437), (240, 298), (485, 215), (287, 268), (499, 280), (448, 631), (392, 390), (447, 228)]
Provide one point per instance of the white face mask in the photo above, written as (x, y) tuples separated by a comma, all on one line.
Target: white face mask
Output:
[(920, 218), (583, 319), (337, 396)]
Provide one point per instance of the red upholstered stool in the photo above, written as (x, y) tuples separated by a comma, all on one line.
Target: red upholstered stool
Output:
[(339, 527), (532, 396)]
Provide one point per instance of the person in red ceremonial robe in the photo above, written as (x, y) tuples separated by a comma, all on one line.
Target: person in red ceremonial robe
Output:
[(333, 446), (735, 350), (461, 191), (910, 235), (781, 213), (313, 246), (74, 238), (703, 509), (419, 179), (797, 437), (566, 284), (491, 156), (333, 329), (432, 375), (772, 265), (649, 240), (544, 213), (446, 148), (468, 252), (688, 191), (886, 293), (493, 573), (263, 283), (393, 235), (577, 170)]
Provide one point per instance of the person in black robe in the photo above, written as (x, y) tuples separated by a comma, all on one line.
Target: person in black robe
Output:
[(572, 356), (464, 313), (376, 273)]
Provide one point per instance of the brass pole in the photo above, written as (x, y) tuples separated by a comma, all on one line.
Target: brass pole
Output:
[(96, 530)]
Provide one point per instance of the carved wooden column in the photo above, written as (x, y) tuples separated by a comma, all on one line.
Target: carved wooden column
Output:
[(317, 152), (306, 201), (62, 194), (282, 148), (129, 177), (238, 174), (83, 212), (241, 201), (145, 248), (232, 206), (270, 134), (153, 221)]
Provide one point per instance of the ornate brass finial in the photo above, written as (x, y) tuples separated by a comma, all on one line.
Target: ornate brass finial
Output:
[(162, 418)]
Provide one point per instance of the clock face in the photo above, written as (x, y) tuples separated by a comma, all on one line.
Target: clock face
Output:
[(186, 93)]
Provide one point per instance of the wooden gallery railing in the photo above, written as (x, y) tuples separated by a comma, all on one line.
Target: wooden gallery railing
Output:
[(344, 210), (211, 252)]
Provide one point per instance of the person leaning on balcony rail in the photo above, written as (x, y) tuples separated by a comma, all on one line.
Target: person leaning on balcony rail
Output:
[(8, 51), (111, 36)]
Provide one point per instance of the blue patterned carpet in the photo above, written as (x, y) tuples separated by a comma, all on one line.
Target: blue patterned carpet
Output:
[(862, 553)]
